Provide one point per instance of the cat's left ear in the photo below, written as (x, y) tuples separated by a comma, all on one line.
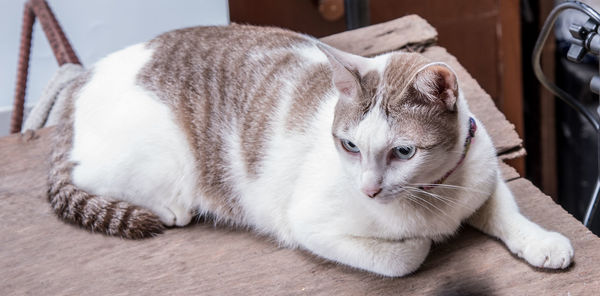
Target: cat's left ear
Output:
[(438, 83), (346, 68)]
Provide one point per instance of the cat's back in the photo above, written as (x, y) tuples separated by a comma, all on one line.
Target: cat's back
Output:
[(199, 108), (238, 92), (232, 65), (235, 85), (229, 38)]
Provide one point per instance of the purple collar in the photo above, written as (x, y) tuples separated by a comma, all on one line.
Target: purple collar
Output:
[(467, 145)]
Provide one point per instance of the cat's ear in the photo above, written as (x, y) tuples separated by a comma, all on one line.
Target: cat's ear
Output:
[(346, 69), (437, 82)]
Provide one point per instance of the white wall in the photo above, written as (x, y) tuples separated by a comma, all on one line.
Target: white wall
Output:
[(94, 28)]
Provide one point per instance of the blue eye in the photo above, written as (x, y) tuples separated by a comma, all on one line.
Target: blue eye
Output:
[(404, 152), (349, 146)]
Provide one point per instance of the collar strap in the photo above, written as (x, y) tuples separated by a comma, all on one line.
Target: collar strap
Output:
[(467, 145)]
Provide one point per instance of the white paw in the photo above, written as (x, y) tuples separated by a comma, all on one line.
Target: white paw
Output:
[(551, 251), (174, 215), (404, 257)]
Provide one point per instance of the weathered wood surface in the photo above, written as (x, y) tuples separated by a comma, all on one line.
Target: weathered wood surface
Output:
[(509, 173), (389, 36), (40, 255), (411, 30)]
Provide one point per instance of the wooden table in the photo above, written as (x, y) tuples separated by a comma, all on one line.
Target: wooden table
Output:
[(41, 255)]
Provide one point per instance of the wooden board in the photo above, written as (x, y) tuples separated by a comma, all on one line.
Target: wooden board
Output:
[(41, 255), (385, 37), (508, 173)]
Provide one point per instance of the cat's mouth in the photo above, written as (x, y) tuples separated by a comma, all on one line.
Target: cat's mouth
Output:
[(386, 199), (388, 195), (397, 192)]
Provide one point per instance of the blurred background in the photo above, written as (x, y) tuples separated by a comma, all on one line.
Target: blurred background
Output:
[(492, 39)]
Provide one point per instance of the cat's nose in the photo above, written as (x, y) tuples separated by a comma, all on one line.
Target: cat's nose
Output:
[(371, 192)]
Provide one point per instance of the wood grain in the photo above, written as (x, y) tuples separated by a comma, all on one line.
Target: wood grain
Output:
[(384, 37), (508, 173)]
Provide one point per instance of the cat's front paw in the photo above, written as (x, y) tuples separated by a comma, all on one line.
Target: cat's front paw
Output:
[(551, 251), (173, 215)]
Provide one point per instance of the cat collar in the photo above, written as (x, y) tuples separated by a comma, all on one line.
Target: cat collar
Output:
[(467, 145)]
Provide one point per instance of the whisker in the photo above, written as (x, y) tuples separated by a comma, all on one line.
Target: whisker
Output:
[(417, 201), (451, 219), (446, 200), (450, 203), (448, 186)]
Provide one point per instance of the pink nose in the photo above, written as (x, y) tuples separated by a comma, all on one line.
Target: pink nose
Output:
[(371, 192)]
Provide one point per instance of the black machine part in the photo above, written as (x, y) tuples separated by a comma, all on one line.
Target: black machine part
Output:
[(585, 39)]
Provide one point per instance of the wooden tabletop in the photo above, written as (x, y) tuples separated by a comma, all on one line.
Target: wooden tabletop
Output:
[(40, 255)]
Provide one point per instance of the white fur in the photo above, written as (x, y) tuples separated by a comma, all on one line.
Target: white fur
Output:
[(128, 145), (126, 142)]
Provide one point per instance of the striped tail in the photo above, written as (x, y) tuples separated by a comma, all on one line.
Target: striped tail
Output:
[(95, 213)]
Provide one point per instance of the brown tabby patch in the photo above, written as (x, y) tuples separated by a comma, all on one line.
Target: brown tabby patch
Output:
[(428, 122), (369, 84), (349, 113), (215, 89), (314, 83), (409, 113)]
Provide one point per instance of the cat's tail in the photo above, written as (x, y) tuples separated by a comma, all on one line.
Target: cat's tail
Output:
[(96, 213), (93, 212)]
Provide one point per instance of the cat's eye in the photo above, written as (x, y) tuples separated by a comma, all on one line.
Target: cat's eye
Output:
[(404, 152), (349, 146)]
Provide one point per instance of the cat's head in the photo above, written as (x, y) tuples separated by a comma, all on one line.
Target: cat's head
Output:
[(396, 122)]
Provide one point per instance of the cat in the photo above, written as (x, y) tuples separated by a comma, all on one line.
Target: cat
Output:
[(363, 161)]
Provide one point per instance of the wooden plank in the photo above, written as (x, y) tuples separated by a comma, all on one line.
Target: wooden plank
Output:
[(512, 154), (42, 255), (502, 132), (20, 155), (508, 173), (385, 37)]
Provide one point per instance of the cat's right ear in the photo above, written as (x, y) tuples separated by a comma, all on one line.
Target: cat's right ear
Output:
[(346, 70)]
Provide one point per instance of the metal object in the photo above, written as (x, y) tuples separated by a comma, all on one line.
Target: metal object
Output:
[(22, 69), (585, 39), (63, 52), (582, 36)]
